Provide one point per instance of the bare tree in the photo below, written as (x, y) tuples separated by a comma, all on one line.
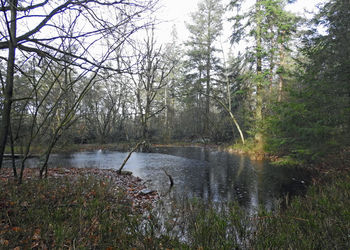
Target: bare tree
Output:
[(149, 76), (103, 106), (30, 28)]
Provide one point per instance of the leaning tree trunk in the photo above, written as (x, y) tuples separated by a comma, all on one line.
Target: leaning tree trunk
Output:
[(127, 158)]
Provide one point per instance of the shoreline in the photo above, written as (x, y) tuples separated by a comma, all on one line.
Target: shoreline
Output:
[(129, 184), (125, 147)]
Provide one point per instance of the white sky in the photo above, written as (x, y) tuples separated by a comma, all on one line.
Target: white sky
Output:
[(178, 12)]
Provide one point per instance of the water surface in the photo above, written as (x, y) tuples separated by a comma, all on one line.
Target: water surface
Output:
[(198, 172)]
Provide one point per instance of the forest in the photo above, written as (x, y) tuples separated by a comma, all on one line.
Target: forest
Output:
[(92, 72)]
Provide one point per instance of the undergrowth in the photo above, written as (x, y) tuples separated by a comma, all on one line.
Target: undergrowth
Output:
[(89, 213), (321, 220), (59, 213)]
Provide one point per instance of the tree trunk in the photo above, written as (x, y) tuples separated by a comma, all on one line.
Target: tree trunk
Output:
[(281, 66), (8, 92), (208, 68), (207, 104), (127, 158), (13, 154), (259, 84), (238, 127)]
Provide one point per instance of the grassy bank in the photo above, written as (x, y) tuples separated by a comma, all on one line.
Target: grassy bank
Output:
[(60, 213), (89, 213)]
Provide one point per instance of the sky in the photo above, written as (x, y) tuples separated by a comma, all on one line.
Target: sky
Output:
[(178, 12)]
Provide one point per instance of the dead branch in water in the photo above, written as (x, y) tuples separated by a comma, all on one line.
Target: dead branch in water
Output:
[(127, 158)]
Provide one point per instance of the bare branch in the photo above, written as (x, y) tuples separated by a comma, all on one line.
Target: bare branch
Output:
[(19, 8)]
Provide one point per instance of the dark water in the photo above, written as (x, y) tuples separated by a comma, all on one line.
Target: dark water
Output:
[(199, 172)]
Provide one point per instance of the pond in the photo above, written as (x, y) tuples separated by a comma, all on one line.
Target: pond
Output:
[(199, 172)]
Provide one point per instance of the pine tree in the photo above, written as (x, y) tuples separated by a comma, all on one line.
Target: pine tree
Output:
[(205, 30)]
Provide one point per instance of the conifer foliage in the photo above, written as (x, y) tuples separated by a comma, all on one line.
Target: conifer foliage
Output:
[(316, 117)]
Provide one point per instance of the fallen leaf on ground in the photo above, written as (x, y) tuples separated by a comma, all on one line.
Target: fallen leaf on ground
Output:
[(16, 229)]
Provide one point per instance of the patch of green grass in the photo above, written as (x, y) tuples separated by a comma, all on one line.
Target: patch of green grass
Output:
[(321, 220), (249, 147), (213, 226)]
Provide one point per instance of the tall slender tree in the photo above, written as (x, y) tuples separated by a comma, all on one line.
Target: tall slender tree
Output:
[(202, 48), (174, 54)]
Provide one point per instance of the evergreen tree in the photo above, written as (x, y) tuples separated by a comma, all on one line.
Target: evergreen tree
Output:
[(202, 60), (316, 118), (174, 54)]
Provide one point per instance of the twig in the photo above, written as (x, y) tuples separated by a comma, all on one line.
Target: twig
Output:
[(10, 222)]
